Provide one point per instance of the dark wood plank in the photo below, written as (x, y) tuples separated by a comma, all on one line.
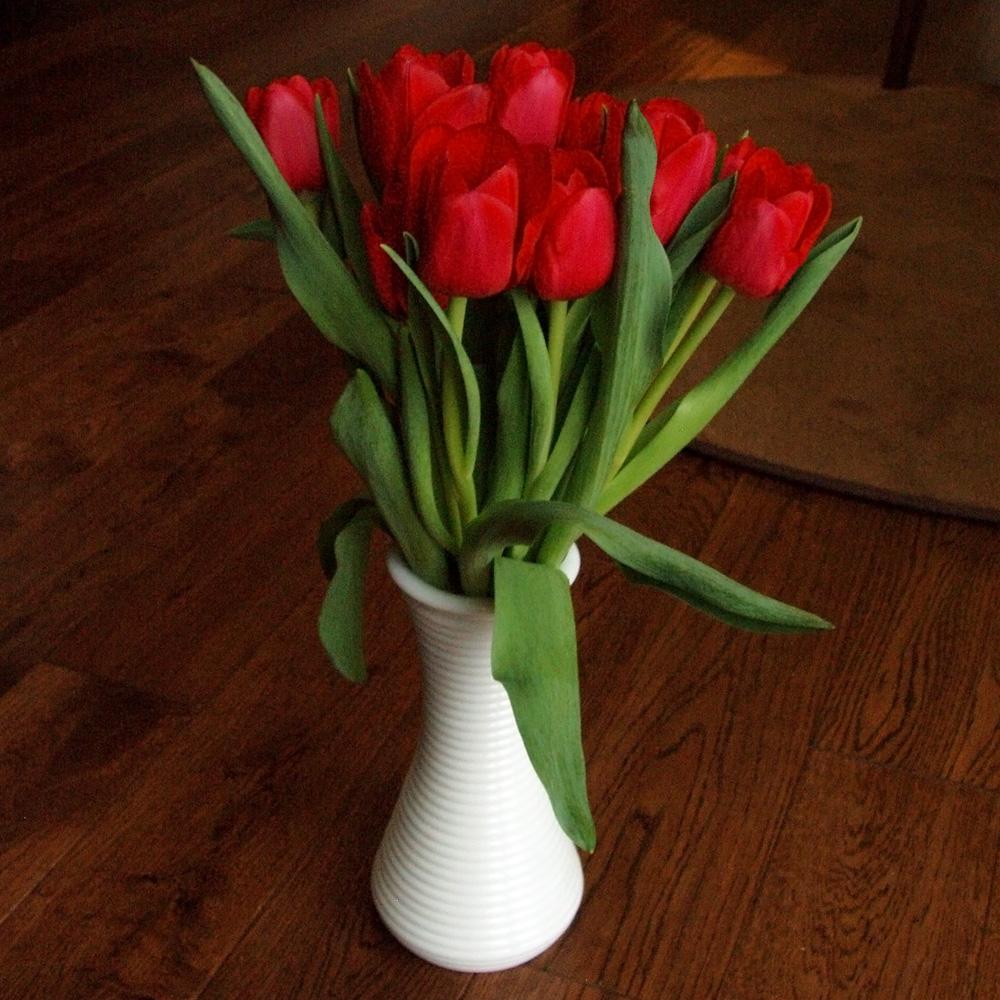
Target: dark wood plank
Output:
[(932, 705), (532, 984), (161, 888), (695, 741), (69, 746), (878, 888)]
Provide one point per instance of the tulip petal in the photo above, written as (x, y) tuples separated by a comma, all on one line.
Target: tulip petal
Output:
[(472, 246), (682, 177)]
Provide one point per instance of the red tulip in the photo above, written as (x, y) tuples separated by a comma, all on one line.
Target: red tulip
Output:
[(776, 215), (596, 123), (284, 115), (685, 159), (390, 103), (381, 225), (463, 194), (568, 248), (531, 87)]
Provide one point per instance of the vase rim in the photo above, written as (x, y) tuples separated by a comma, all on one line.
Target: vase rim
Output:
[(442, 600)]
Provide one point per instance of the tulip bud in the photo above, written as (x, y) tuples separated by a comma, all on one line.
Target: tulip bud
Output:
[(596, 123), (685, 159), (568, 248), (775, 218), (531, 88), (392, 102), (466, 187), (283, 112)]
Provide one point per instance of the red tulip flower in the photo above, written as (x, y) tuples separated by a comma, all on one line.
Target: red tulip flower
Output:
[(391, 102), (685, 160), (283, 112), (596, 123), (568, 248), (531, 87), (776, 215), (462, 201)]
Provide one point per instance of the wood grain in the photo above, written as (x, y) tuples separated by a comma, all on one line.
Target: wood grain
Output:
[(878, 887), (189, 801)]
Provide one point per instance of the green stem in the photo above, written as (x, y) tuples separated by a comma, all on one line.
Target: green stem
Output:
[(451, 390), (690, 334), (558, 310)]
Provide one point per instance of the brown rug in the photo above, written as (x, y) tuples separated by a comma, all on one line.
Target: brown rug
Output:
[(889, 385)]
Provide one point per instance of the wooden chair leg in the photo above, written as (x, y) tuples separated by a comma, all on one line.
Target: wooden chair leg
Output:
[(909, 18)]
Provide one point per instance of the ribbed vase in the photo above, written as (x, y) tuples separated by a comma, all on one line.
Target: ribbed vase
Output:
[(474, 872)]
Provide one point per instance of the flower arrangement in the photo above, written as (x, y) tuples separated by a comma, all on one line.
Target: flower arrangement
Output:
[(518, 295)]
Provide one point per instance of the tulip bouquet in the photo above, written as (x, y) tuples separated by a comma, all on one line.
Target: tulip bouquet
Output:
[(517, 297)]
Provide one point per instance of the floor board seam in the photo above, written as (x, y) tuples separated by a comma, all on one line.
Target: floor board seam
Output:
[(910, 772)]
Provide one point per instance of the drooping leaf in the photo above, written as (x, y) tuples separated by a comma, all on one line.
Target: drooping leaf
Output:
[(330, 529), (363, 429), (646, 561), (346, 205), (316, 276), (534, 657), (693, 411), (344, 542), (698, 226), (261, 230)]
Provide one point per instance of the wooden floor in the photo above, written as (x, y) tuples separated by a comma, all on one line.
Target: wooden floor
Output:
[(189, 801)]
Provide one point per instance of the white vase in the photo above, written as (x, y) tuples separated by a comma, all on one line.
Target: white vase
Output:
[(474, 872)]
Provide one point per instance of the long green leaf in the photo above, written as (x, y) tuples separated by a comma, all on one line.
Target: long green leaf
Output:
[(539, 381), (570, 433), (346, 205), (628, 320), (577, 319), (316, 276), (447, 336), (513, 418), (362, 428), (415, 423), (261, 230), (698, 226), (534, 657), (344, 542), (691, 414), (646, 561)]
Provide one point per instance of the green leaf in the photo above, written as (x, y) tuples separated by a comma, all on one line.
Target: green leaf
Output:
[(447, 336), (415, 423), (316, 276), (534, 657), (570, 433), (346, 205), (577, 319), (326, 540), (698, 226), (344, 542), (692, 413), (363, 429), (628, 321), (513, 418), (540, 382), (645, 561), (260, 229)]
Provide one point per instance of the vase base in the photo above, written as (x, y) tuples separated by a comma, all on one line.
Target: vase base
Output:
[(487, 955)]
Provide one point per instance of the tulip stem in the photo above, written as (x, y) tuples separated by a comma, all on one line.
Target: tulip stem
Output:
[(462, 487), (558, 309), (693, 329)]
